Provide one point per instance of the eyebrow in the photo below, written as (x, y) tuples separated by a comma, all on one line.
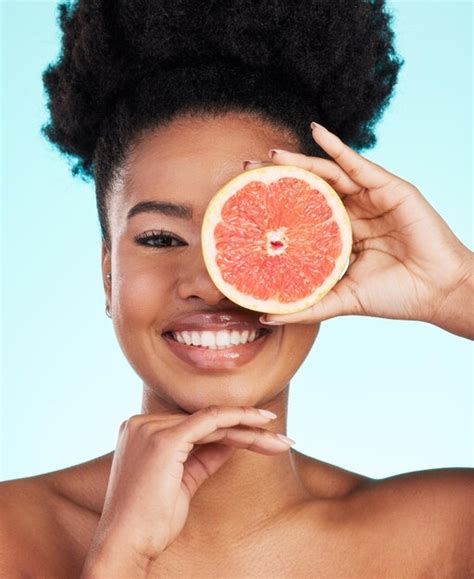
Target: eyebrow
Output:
[(163, 207)]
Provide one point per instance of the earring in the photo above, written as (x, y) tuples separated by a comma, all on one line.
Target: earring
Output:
[(107, 311)]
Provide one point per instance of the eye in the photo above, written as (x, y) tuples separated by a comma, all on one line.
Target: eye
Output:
[(159, 238)]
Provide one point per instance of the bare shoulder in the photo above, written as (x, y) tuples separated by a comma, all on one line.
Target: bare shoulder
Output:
[(424, 516), (24, 516), (41, 530)]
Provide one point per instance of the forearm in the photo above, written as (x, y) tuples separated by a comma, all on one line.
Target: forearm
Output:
[(456, 312)]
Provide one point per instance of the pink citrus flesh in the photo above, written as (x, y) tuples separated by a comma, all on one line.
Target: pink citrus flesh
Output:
[(276, 239)]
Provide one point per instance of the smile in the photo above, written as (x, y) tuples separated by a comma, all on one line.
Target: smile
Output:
[(217, 340), (217, 350)]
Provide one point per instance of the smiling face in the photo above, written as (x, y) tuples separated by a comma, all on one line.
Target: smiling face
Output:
[(161, 291)]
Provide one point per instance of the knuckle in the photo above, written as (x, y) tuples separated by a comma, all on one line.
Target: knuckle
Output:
[(127, 423), (147, 428), (339, 153), (355, 171), (135, 418), (213, 411), (335, 178), (256, 434), (134, 421), (159, 440)]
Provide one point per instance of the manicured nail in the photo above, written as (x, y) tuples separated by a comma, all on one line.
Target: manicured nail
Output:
[(317, 126), (285, 439), (267, 413), (273, 152), (249, 163), (263, 320)]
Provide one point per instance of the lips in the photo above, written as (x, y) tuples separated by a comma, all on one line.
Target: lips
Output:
[(214, 360), (227, 358)]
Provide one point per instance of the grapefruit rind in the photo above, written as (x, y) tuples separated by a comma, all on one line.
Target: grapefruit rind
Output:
[(268, 174)]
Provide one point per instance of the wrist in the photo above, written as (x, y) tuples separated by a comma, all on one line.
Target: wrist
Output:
[(114, 566), (455, 310), (116, 561)]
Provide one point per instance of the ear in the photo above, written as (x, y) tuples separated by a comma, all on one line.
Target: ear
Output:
[(106, 268)]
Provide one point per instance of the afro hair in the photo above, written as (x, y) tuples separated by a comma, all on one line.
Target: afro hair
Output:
[(128, 66)]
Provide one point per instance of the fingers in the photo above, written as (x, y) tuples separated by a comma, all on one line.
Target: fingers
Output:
[(256, 439), (327, 170), (362, 171), (203, 424), (348, 174), (341, 300), (224, 424)]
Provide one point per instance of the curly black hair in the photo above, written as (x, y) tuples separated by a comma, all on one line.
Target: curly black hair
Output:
[(129, 66)]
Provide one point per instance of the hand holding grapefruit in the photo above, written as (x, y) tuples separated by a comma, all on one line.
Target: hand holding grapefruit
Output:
[(276, 239), (406, 263)]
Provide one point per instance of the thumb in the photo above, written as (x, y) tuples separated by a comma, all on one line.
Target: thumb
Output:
[(339, 301)]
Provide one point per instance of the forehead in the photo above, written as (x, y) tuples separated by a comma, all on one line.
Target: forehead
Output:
[(189, 159)]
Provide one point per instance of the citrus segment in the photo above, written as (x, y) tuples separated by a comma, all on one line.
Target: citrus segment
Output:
[(276, 239)]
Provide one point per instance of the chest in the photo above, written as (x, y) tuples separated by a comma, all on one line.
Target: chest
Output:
[(298, 555), (296, 547)]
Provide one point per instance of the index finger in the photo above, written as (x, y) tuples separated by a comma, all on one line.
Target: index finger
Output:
[(361, 170)]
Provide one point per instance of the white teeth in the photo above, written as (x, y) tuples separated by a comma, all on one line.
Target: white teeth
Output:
[(187, 337), (235, 338), (223, 338), (244, 336), (208, 339), (215, 340)]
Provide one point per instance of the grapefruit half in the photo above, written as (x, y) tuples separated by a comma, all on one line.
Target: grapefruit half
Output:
[(276, 239)]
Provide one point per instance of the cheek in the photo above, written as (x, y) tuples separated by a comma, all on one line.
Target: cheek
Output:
[(300, 338), (142, 296)]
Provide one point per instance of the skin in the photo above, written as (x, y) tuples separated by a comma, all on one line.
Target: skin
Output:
[(253, 515), (406, 262)]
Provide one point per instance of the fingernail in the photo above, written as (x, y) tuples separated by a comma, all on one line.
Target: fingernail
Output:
[(285, 439), (263, 320), (249, 163), (317, 126), (273, 152), (267, 413)]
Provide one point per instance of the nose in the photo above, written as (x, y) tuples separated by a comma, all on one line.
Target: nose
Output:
[(195, 282)]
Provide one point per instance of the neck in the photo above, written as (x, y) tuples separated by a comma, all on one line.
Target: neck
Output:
[(249, 490)]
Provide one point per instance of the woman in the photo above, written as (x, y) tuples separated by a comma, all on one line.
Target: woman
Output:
[(161, 103)]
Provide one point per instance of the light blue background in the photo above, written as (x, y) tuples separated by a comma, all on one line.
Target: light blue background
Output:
[(375, 396)]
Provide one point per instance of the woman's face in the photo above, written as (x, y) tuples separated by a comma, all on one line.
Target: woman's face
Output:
[(159, 289)]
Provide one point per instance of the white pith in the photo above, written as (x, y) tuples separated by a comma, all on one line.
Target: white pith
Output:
[(278, 236), (216, 340), (270, 174)]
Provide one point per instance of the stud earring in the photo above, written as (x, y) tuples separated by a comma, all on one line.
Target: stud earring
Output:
[(107, 311)]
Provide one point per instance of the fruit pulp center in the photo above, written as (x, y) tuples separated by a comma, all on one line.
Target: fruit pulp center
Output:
[(276, 241)]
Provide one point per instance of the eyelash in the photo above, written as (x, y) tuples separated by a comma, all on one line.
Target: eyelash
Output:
[(154, 235)]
